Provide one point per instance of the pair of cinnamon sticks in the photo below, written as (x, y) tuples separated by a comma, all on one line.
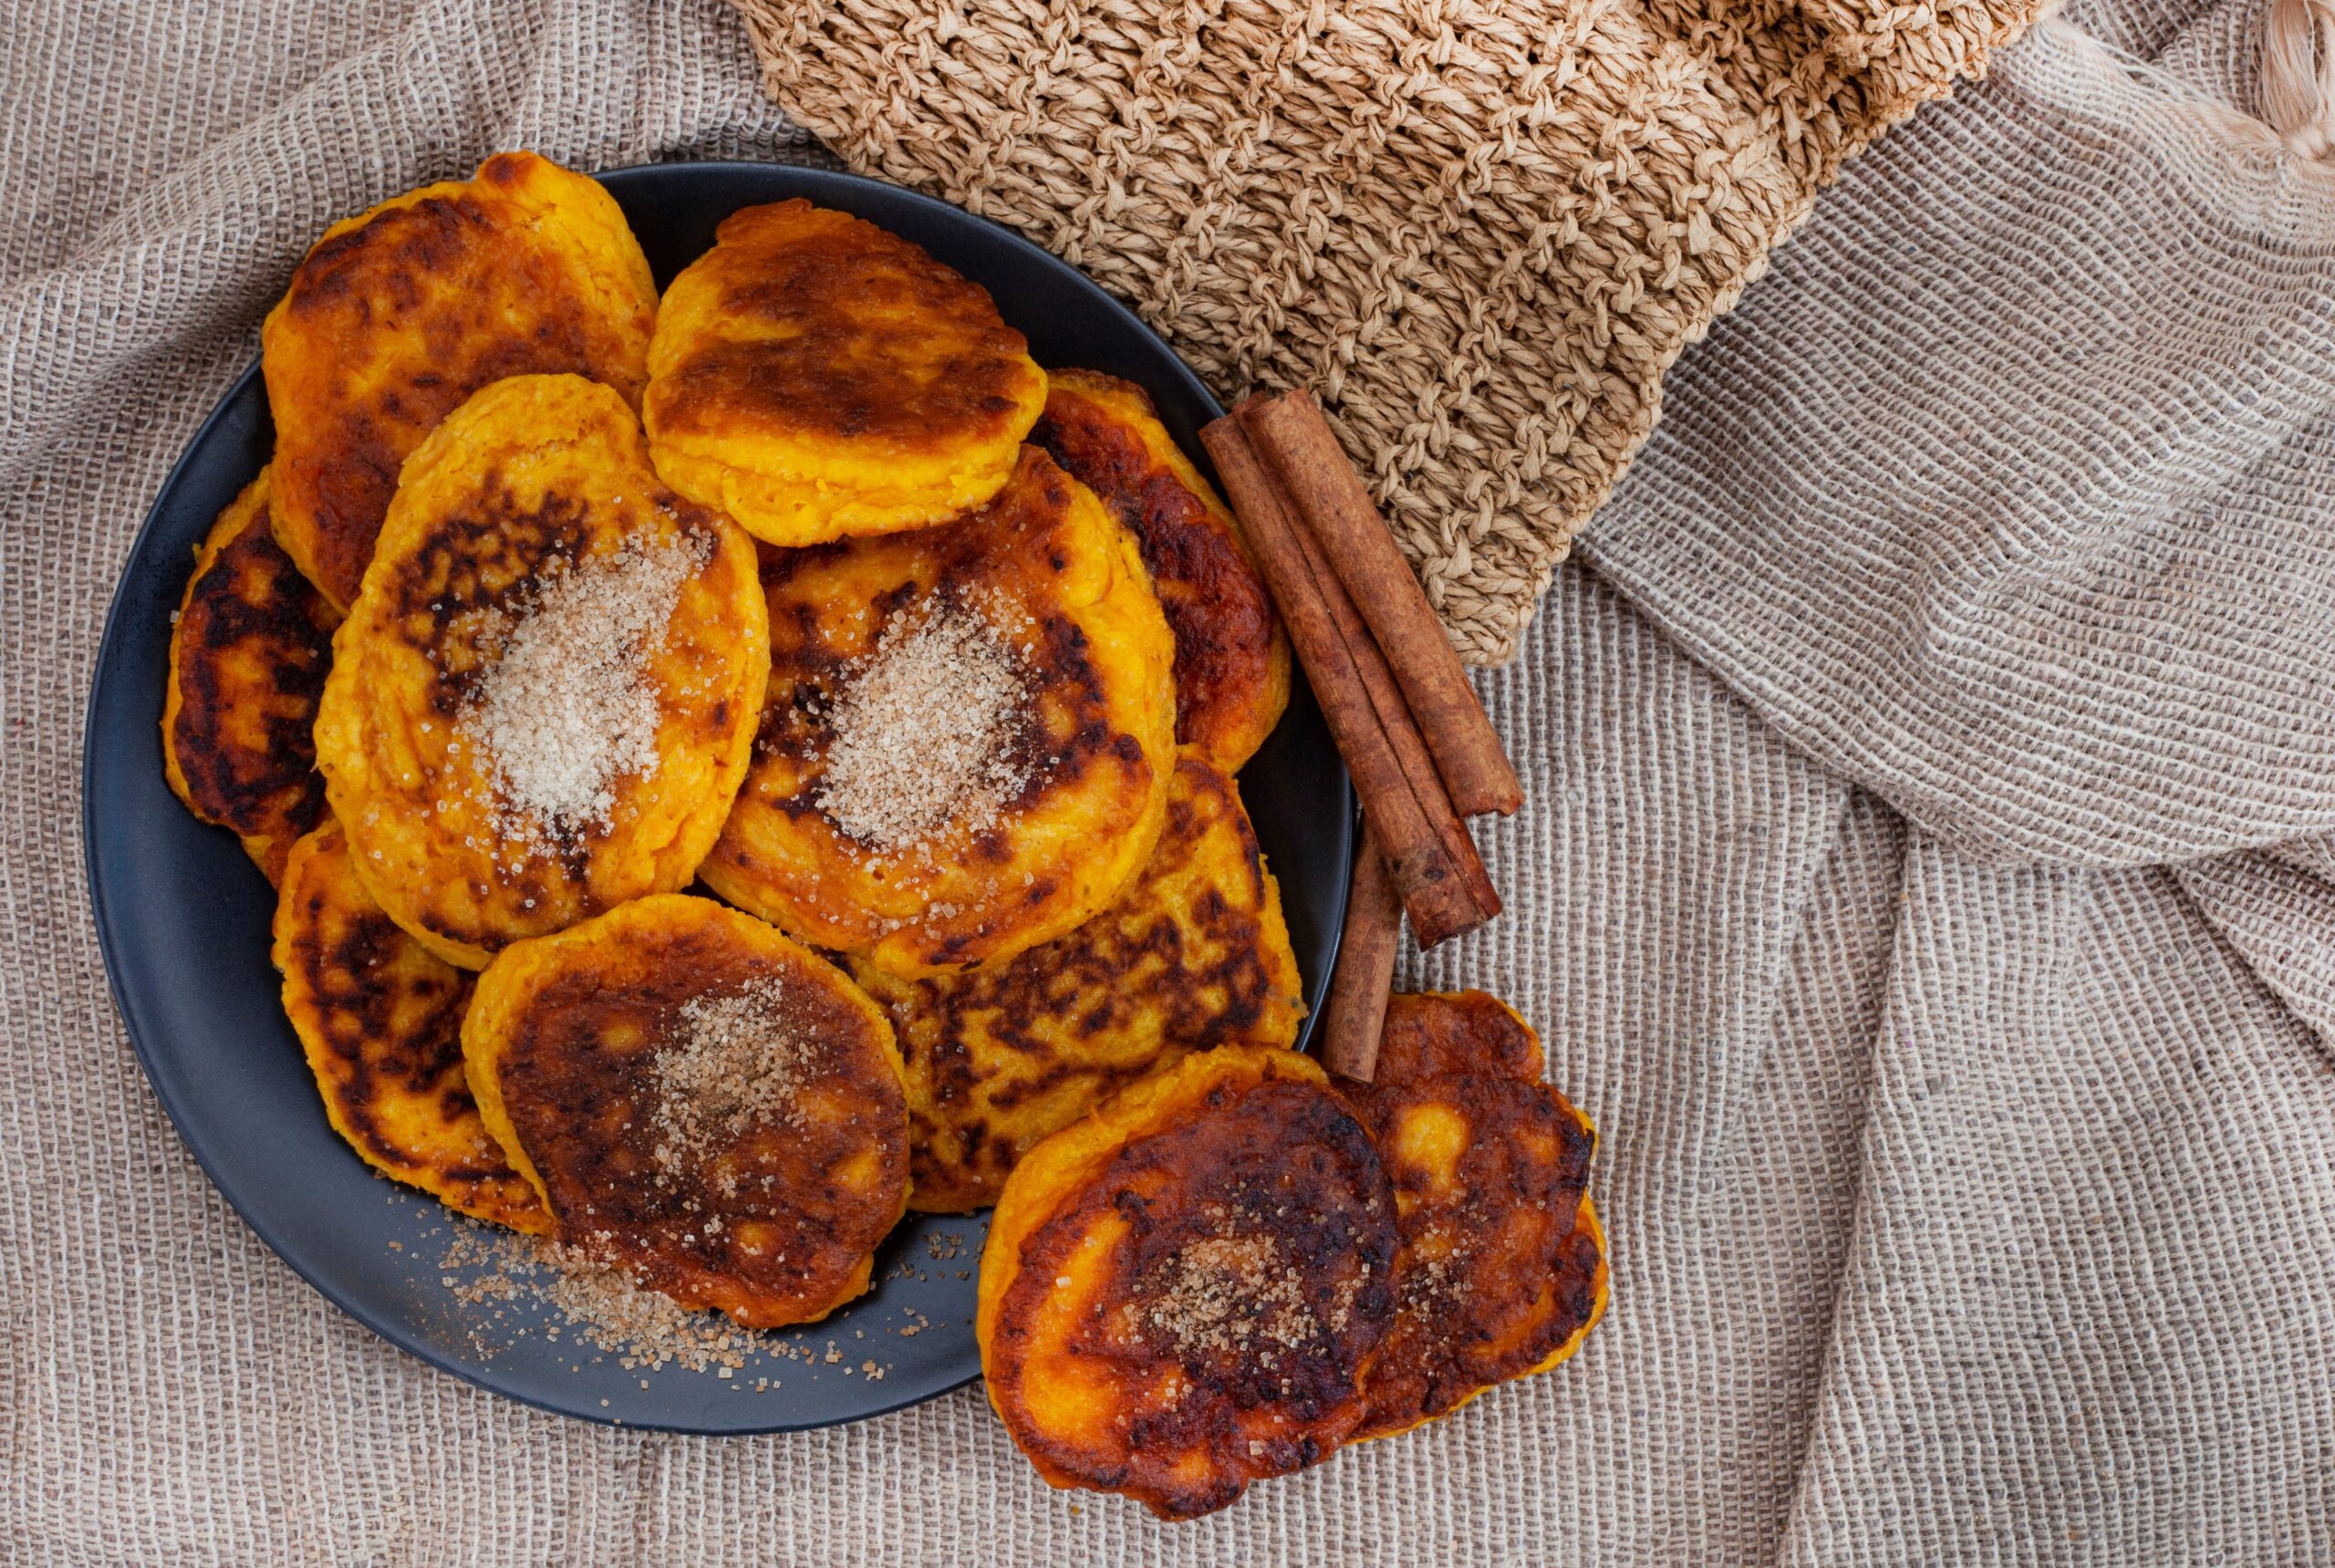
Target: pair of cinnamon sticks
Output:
[(1421, 750)]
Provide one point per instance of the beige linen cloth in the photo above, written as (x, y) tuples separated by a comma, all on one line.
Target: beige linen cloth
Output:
[(1927, 879)]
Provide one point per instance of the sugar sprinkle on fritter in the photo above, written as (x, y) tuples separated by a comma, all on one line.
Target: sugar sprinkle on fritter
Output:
[(925, 732), (567, 707), (1229, 1293), (735, 1065)]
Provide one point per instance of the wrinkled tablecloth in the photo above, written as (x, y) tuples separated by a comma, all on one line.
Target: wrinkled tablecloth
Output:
[(1928, 881)]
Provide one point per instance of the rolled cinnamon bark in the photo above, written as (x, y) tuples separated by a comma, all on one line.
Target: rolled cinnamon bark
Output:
[(1355, 1012), (1435, 891), (1412, 753), (1297, 443)]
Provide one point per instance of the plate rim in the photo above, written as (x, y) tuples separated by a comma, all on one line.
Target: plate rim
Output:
[(161, 1077)]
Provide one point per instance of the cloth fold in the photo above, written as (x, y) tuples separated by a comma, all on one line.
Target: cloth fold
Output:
[(1926, 878)]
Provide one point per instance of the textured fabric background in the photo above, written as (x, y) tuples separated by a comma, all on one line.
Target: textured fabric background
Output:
[(1928, 881), (1479, 233)]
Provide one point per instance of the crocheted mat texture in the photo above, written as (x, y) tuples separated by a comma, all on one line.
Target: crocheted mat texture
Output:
[(1480, 232)]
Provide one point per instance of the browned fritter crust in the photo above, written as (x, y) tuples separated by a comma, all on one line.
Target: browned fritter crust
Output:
[(1232, 668), (778, 1223), (1194, 955), (249, 654), (1433, 1034), (380, 1022), (1060, 582), (1113, 1371), (817, 376), (1497, 1275), (398, 315)]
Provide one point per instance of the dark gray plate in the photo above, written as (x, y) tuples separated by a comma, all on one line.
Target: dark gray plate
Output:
[(182, 917)]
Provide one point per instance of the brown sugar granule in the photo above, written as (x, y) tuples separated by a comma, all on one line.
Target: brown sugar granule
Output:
[(733, 1065), (643, 1328), (925, 732), (1228, 1294), (564, 706)]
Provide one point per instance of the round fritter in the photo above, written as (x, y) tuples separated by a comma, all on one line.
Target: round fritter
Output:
[(1231, 655), (544, 698), (1194, 954), (400, 313), (380, 1022), (1436, 1033), (818, 378), (703, 1105), (1501, 1270), (969, 734), (248, 656), (1179, 1293)]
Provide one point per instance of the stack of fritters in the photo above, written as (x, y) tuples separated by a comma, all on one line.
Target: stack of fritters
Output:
[(1235, 1266), (523, 648)]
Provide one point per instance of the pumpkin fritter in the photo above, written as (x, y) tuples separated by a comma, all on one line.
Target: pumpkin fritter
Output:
[(1436, 1033), (702, 1104), (1501, 1271), (817, 377), (1231, 654), (969, 734), (248, 655), (544, 698), (1179, 1293), (380, 1023), (399, 314), (1194, 955)]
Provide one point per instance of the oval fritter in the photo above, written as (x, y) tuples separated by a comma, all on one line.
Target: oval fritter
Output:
[(1195, 954), (701, 1103), (1501, 1270), (248, 656), (817, 377), (544, 698), (1231, 654), (969, 734), (380, 1022), (1179, 1293), (399, 314), (1435, 1033)]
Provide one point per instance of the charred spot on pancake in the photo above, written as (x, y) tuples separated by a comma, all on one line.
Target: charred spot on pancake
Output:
[(821, 378), (379, 1020), (703, 1103), (963, 751), (398, 315), (1187, 1290), (1493, 1278), (545, 695), (249, 653), (1193, 955), (1434, 1034), (1231, 657)]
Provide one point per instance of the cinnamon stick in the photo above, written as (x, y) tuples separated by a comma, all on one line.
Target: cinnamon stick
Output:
[(1290, 433), (1355, 1012), (1434, 889), (1411, 753)]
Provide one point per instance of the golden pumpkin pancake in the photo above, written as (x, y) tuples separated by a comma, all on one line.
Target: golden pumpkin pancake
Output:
[(399, 314), (381, 1024), (1436, 1033), (1179, 1293), (1194, 955), (969, 733), (544, 698), (701, 1103), (1231, 655), (817, 377), (248, 655), (1501, 1271)]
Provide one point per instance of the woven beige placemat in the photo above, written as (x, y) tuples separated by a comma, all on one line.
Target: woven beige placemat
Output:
[(1480, 232)]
